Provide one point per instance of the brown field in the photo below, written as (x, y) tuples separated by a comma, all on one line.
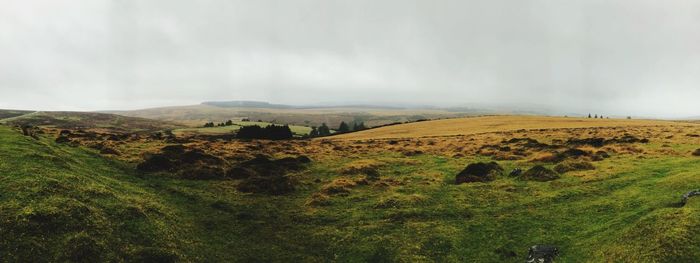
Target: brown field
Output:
[(487, 124)]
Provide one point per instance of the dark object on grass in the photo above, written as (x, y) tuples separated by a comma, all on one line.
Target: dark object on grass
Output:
[(62, 139), (573, 166), (177, 157), (270, 132), (684, 197), (107, 150), (267, 176), (479, 172), (516, 172), (696, 152), (595, 142), (542, 254), (539, 173)]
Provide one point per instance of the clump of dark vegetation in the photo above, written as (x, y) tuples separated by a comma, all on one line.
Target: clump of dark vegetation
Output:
[(569, 166), (479, 172), (187, 163), (539, 173), (270, 132), (267, 176), (696, 152), (600, 142)]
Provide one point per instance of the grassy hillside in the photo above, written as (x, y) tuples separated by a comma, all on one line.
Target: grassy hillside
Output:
[(89, 120), (358, 201), (66, 204), (473, 125)]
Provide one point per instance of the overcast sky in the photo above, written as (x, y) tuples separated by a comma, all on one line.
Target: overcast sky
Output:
[(631, 57)]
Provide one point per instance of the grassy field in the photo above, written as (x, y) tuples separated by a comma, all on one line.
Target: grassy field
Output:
[(371, 200), (296, 129), (473, 125)]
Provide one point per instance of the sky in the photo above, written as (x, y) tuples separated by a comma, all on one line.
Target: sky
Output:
[(613, 57)]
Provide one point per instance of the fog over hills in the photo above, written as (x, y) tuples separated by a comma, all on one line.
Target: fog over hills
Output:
[(622, 57)]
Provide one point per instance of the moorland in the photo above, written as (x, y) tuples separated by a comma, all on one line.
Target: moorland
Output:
[(106, 187)]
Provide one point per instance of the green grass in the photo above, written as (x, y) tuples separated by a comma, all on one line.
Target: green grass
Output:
[(63, 203), (297, 130)]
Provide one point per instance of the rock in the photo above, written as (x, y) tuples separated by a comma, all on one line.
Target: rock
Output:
[(516, 172), (539, 173), (684, 197), (479, 172), (569, 166), (696, 152), (542, 254), (62, 139)]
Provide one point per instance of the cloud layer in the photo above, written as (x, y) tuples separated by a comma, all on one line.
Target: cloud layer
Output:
[(626, 57)]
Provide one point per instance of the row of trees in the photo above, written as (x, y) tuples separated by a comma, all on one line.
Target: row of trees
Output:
[(595, 116), (270, 132), (344, 127), (211, 124)]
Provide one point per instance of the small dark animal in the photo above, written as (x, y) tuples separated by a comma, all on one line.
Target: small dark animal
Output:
[(542, 254), (516, 172), (684, 197)]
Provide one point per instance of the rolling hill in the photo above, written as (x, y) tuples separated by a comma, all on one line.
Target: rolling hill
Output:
[(483, 124), (358, 200), (4, 114), (89, 120), (197, 115)]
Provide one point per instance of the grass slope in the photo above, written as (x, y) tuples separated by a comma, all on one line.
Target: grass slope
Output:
[(63, 203), (473, 125), (66, 203)]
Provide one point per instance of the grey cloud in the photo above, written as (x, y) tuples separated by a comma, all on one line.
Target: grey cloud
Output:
[(615, 57)]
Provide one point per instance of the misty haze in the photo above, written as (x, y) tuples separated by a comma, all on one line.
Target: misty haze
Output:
[(349, 131)]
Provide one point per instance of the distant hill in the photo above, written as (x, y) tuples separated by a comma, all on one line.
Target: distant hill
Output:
[(246, 104), (197, 115), (89, 120), (474, 125), (4, 114)]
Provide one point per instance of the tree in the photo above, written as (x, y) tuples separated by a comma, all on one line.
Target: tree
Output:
[(229, 123), (343, 127), (589, 115), (314, 132), (323, 130), (208, 124), (596, 116), (271, 132), (358, 126)]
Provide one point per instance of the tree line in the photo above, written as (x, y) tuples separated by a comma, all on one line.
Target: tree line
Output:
[(344, 127), (212, 124), (270, 132)]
